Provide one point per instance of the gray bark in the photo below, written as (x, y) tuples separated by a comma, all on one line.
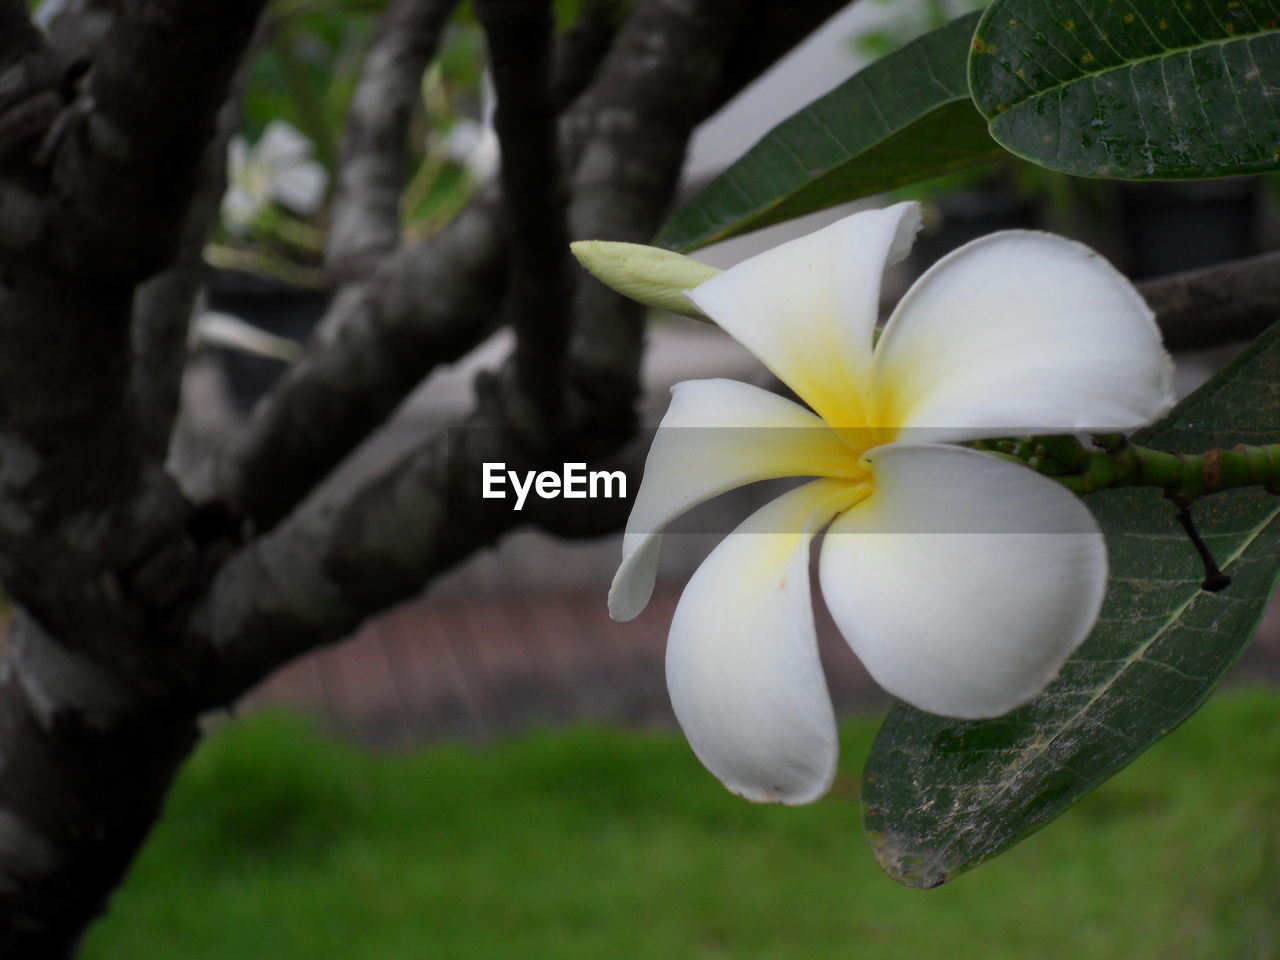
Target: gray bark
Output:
[(98, 166)]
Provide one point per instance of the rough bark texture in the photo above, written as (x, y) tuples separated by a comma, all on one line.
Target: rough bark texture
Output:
[(139, 609), (427, 305), (97, 172), (84, 778)]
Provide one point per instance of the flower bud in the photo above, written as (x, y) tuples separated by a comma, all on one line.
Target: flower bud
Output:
[(650, 275)]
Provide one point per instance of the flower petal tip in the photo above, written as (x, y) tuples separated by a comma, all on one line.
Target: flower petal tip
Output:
[(778, 796), (625, 600)]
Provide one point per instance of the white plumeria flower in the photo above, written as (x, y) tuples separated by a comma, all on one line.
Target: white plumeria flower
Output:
[(962, 581), (279, 169)]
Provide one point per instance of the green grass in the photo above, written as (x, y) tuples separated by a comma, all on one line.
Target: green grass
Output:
[(280, 844)]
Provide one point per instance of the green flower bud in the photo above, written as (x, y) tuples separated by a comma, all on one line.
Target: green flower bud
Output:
[(650, 275)]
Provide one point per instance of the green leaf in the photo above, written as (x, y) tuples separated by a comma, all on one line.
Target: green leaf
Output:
[(905, 118), (1133, 89), (941, 796)]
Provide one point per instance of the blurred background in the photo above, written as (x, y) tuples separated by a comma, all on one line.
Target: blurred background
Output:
[(519, 636), (550, 834)]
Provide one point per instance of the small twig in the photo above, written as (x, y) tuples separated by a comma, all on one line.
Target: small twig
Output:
[(1183, 478)]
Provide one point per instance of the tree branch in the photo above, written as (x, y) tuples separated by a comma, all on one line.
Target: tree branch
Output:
[(519, 35), (163, 306), (1212, 306), (442, 296), (322, 571), (133, 140), (582, 48), (663, 79), (770, 30), (373, 165), (429, 304), (81, 508)]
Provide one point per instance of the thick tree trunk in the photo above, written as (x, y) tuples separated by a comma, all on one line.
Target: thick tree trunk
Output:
[(84, 774)]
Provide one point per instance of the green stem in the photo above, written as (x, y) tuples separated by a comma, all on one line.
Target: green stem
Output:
[(1118, 463), (1182, 476)]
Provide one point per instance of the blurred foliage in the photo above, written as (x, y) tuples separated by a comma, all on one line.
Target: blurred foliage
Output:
[(909, 20), (280, 843), (305, 71)]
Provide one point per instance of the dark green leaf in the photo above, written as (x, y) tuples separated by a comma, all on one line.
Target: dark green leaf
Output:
[(942, 796), (1133, 89), (905, 118)]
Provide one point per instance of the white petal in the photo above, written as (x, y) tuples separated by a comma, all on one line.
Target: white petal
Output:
[(281, 145), (237, 157), (717, 435), (239, 208), (807, 308), (463, 139), (301, 187), (475, 146), (1020, 332), (742, 659), (964, 581)]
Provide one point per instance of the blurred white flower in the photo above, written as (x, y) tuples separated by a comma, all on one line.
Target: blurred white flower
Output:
[(474, 143), (277, 169)]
